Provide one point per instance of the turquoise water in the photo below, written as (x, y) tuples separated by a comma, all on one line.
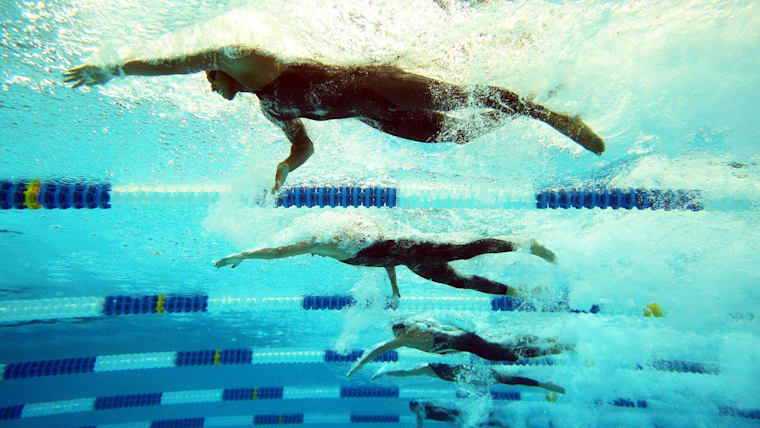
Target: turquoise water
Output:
[(671, 86)]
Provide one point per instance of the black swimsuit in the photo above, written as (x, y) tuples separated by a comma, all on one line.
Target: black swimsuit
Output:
[(430, 260), (407, 252), (319, 92)]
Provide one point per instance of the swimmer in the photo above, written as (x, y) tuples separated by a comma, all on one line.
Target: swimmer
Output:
[(385, 97), (429, 410), (431, 336), (425, 258), (451, 373)]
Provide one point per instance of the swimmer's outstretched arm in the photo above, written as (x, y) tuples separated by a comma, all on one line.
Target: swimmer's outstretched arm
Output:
[(98, 74), (267, 253), (378, 350), (417, 371)]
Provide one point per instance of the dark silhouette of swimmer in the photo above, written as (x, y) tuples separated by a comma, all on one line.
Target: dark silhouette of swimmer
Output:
[(427, 259), (385, 97), (453, 373), (427, 410), (434, 337)]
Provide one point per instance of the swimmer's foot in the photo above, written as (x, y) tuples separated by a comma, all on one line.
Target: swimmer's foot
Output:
[(577, 130), (551, 387), (541, 251)]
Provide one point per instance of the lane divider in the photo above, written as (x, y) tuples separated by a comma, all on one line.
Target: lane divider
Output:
[(36, 194), (265, 419), (79, 405), (251, 356), (15, 311)]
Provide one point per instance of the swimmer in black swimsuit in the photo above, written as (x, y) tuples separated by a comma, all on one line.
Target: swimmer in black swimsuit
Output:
[(427, 259), (452, 373), (431, 336), (429, 410), (385, 97)]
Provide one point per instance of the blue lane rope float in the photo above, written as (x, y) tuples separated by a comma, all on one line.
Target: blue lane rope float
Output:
[(35, 194), (616, 198)]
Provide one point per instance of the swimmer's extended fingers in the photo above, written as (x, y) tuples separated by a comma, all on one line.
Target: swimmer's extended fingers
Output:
[(233, 260), (88, 74)]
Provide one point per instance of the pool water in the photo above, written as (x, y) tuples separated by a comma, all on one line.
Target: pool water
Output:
[(128, 323)]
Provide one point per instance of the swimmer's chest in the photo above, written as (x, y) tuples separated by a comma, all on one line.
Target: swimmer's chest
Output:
[(308, 92)]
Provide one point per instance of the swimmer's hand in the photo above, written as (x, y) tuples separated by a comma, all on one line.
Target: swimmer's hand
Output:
[(393, 304), (232, 259), (283, 169), (89, 75)]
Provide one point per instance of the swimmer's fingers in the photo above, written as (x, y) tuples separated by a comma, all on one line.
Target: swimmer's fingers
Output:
[(229, 260)]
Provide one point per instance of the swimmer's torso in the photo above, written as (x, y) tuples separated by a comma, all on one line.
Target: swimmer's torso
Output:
[(319, 92)]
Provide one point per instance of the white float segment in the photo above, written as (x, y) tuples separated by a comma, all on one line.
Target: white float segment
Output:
[(228, 421), (153, 360), (294, 393), (142, 424), (286, 356), (187, 397), (58, 407), (69, 307)]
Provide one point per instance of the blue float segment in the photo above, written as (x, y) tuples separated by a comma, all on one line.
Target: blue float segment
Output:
[(123, 401), (236, 356), (681, 366), (49, 368), (125, 305), (368, 391), (214, 357), (179, 423), (337, 197), (12, 412), (7, 191), (334, 357), (327, 302), (741, 413), (195, 358), (523, 362), (616, 198), (509, 303), (627, 402), (294, 418), (245, 394), (186, 304), (506, 395), (53, 194), (374, 419)]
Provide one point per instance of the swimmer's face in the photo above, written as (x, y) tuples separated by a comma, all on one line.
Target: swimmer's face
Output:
[(222, 84), (413, 406), (398, 329)]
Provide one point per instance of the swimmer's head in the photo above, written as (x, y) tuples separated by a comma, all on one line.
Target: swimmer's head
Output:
[(223, 84), (399, 328), (414, 405)]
